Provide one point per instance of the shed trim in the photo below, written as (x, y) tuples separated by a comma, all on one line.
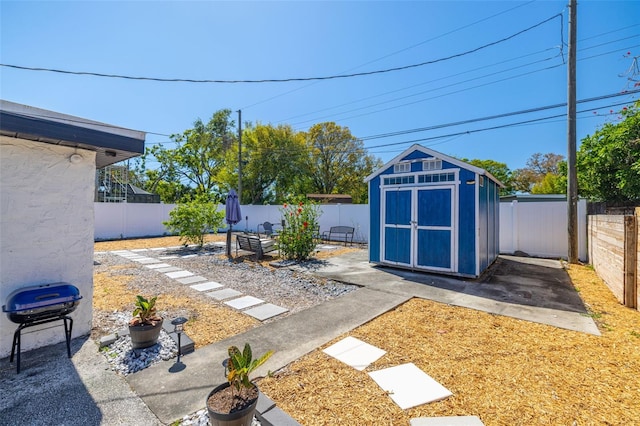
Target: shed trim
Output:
[(416, 147)]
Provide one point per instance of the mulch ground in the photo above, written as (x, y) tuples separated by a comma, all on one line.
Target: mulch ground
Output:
[(504, 370)]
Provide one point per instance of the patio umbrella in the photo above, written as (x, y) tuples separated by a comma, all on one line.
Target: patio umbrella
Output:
[(233, 215)]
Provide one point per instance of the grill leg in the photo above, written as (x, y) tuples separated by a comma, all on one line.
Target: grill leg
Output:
[(67, 333), (16, 344)]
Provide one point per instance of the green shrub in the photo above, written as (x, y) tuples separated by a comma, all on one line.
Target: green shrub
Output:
[(297, 238), (193, 219)]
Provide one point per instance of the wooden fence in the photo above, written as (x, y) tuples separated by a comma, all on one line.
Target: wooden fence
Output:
[(614, 251)]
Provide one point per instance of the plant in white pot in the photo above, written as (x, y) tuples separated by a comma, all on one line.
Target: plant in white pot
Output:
[(146, 324), (233, 403)]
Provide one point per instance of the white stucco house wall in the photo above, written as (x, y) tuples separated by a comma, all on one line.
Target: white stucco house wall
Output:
[(48, 163)]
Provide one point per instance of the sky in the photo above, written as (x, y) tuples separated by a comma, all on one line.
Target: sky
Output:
[(425, 65)]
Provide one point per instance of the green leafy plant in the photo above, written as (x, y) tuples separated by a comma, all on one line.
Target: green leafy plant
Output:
[(240, 364), (145, 311), (297, 239), (195, 218)]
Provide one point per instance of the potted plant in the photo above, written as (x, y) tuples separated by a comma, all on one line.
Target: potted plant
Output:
[(233, 403), (145, 326)]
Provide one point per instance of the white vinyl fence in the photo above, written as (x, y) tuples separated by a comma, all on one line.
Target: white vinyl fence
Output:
[(130, 220), (540, 228), (536, 228)]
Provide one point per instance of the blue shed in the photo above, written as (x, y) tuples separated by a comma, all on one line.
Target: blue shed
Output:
[(432, 212)]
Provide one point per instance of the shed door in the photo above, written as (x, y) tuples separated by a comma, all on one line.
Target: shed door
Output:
[(396, 242), (418, 227), (434, 231)]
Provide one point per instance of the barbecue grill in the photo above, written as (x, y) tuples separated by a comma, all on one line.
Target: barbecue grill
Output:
[(31, 306)]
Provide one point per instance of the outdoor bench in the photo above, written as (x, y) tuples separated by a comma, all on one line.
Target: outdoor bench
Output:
[(339, 233), (254, 244)]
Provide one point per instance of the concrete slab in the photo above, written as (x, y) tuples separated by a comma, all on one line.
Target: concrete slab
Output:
[(191, 280), (408, 386), (179, 274), (354, 352), (224, 294), (139, 250), (542, 278), (244, 302), (447, 421), (266, 311), (209, 285)]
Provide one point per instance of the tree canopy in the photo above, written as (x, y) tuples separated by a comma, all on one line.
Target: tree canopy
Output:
[(609, 160)]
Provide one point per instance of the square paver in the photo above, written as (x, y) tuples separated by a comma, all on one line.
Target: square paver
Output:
[(139, 250), (408, 386), (244, 302), (168, 269), (265, 311), (192, 280), (354, 352), (179, 274), (225, 293), (210, 285), (157, 266), (147, 260)]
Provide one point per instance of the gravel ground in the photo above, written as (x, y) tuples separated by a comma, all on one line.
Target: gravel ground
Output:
[(282, 287)]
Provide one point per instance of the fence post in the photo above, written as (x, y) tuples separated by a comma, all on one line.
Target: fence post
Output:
[(630, 260)]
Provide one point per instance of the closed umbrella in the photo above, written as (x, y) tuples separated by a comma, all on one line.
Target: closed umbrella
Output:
[(233, 215)]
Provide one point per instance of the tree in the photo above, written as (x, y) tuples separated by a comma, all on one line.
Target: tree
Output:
[(499, 170), (337, 162), (552, 183), (538, 166), (609, 160), (193, 166), (273, 158)]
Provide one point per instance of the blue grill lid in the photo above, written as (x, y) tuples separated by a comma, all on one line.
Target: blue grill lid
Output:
[(41, 296)]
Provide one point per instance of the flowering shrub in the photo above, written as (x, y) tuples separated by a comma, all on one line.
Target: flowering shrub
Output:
[(296, 239)]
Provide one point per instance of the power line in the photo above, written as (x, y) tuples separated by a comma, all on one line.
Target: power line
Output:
[(448, 93), (398, 51), (284, 80)]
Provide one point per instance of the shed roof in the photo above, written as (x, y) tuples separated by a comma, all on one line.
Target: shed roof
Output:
[(416, 147), (111, 144)]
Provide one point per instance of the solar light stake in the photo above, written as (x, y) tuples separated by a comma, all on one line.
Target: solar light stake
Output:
[(178, 325)]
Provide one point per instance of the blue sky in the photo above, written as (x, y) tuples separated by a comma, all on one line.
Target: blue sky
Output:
[(279, 40)]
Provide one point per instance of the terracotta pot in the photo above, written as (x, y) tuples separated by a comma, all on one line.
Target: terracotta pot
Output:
[(144, 335), (242, 417)]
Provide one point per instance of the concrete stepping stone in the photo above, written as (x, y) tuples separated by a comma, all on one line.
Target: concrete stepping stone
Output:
[(265, 311), (210, 285), (139, 250), (191, 280), (447, 421), (244, 302), (354, 352), (179, 274), (158, 265), (169, 269), (147, 260), (408, 386), (158, 249), (226, 293), (187, 256)]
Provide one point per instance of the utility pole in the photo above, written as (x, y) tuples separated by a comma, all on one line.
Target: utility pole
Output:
[(572, 178), (240, 156)]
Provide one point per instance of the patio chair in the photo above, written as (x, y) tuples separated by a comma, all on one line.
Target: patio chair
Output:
[(267, 230)]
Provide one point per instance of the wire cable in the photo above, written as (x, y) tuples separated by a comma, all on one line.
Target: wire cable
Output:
[(285, 80)]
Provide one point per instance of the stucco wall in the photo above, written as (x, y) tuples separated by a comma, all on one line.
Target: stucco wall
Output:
[(46, 230)]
